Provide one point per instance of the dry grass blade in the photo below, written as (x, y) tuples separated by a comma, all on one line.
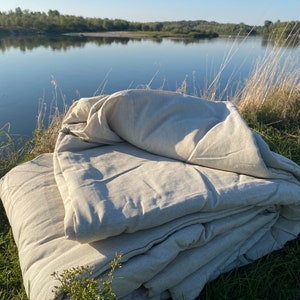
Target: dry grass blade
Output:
[(46, 132), (12, 149), (272, 92), (45, 137)]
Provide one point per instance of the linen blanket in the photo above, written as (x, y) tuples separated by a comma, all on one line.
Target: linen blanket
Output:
[(177, 184)]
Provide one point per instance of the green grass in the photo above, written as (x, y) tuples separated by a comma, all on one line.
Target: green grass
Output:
[(273, 277), (270, 103), (11, 285)]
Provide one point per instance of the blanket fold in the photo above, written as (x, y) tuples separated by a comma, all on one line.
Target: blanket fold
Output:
[(137, 159), (177, 184)]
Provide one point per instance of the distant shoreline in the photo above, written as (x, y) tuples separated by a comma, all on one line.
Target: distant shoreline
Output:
[(142, 34), (113, 34), (125, 34)]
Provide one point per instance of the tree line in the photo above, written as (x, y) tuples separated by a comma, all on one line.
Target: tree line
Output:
[(281, 30), (20, 21), (23, 21)]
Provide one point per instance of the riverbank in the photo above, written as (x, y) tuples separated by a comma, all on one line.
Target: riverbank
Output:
[(143, 34), (121, 34)]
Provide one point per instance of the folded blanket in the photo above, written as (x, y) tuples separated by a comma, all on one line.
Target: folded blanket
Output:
[(179, 185), (135, 157)]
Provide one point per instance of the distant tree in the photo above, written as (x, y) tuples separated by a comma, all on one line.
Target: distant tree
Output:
[(53, 13), (120, 25), (94, 24), (18, 11), (156, 26), (145, 27), (108, 24), (135, 26), (267, 23)]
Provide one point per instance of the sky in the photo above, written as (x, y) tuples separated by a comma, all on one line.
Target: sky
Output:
[(253, 12)]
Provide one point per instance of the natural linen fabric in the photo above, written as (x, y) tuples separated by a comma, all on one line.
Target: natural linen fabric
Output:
[(127, 189), (179, 185)]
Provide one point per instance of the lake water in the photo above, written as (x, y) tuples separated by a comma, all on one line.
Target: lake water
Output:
[(83, 67)]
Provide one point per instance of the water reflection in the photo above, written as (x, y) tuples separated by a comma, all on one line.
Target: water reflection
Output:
[(55, 43), (293, 42), (66, 42)]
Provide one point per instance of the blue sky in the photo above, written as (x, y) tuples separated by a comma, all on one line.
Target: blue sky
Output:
[(253, 12)]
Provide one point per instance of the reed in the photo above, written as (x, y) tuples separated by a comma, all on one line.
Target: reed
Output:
[(12, 149), (270, 102), (271, 94), (48, 123)]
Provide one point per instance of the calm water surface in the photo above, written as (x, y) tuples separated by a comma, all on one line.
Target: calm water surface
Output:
[(84, 67)]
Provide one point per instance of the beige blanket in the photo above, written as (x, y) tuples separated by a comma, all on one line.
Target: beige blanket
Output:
[(180, 185)]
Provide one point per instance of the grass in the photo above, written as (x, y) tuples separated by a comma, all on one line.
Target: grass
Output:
[(273, 277), (270, 103), (12, 148)]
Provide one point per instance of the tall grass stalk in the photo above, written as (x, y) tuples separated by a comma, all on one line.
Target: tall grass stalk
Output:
[(272, 91), (270, 102), (12, 149), (47, 128), (212, 89)]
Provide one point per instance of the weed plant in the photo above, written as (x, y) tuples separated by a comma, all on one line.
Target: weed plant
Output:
[(78, 284), (270, 103)]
